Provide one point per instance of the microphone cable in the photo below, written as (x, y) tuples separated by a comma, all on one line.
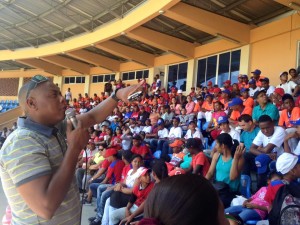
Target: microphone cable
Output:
[(84, 184)]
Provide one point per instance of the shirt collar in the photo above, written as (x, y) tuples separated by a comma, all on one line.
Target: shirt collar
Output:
[(26, 122)]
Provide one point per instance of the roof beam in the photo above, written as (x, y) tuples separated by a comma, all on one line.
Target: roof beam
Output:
[(210, 23), (68, 63), (40, 64), (163, 41), (126, 52), (96, 59)]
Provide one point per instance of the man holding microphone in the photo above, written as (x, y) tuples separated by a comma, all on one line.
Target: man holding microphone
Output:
[(37, 167)]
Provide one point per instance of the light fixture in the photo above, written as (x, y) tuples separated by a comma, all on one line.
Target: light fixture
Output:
[(161, 12), (294, 5), (123, 33)]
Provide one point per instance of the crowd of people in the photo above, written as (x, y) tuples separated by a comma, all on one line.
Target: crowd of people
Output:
[(247, 126), (146, 148)]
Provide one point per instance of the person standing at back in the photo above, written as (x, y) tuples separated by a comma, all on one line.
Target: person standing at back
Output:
[(37, 166), (68, 96)]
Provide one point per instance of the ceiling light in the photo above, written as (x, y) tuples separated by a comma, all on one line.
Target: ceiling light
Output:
[(123, 33), (161, 12), (294, 5)]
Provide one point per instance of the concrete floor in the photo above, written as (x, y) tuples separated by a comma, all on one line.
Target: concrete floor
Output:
[(87, 211)]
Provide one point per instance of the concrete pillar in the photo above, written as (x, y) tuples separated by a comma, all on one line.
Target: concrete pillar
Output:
[(87, 84), (191, 75), (58, 80), (21, 82), (245, 60)]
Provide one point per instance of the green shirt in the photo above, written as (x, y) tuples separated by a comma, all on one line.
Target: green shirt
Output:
[(248, 137), (28, 153), (269, 110)]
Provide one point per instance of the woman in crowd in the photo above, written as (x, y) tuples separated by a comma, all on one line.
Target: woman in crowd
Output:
[(159, 173), (154, 115), (123, 190), (227, 163), (175, 106)]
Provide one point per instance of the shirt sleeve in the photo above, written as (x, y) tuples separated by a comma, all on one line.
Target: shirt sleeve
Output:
[(258, 140), (25, 159), (200, 160), (278, 137)]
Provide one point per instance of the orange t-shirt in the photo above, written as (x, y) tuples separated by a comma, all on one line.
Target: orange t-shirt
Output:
[(197, 108), (235, 115), (208, 106), (249, 102), (224, 103), (284, 119), (201, 159), (258, 82)]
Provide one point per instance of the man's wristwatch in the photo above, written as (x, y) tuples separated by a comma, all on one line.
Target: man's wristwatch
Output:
[(114, 95)]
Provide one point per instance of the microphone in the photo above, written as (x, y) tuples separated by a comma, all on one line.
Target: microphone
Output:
[(71, 115)]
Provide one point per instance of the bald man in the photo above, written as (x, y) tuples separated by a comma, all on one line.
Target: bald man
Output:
[(37, 166)]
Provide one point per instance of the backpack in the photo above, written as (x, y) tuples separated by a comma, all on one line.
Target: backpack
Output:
[(286, 206)]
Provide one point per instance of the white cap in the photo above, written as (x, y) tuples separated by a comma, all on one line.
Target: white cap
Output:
[(286, 162), (179, 91)]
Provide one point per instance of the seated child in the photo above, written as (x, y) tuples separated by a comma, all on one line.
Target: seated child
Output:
[(254, 208)]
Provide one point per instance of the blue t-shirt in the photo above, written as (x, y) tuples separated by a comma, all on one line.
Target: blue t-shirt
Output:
[(270, 110), (248, 137), (223, 174)]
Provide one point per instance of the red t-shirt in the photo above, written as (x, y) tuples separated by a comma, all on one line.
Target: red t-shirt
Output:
[(135, 115), (272, 189), (114, 172), (200, 159), (141, 194), (141, 150), (105, 164)]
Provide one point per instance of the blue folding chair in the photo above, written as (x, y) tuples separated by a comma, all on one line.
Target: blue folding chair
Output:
[(157, 154), (245, 186)]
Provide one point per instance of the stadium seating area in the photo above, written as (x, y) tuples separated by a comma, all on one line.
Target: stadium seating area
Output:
[(8, 105)]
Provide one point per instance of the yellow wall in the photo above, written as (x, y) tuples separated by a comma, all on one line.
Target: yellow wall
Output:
[(75, 89), (274, 47), (96, 88)]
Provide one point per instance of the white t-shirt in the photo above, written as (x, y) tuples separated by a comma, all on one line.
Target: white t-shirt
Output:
[(276, 139), (164, 133), (81, 110), (288, 87), (147, 129), (68, 95), (131, 178), (175, 132), (270, 90), (88, 153), (197, 134), (297, 150), (233, 133), (253, 91)]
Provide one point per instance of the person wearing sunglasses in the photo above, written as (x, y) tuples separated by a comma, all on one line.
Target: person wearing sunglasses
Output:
[(37, 165)]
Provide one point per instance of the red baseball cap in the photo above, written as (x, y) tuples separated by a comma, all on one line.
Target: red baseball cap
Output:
[(176, 143), (217, 90), (209, 83), (279, 91), (227, 82), (110, 152)]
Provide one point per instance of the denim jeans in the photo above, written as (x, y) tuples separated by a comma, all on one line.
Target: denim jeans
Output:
[(102, 196), (244, 213)]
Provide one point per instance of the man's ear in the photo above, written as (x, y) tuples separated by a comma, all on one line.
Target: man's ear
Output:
[(31, 103)]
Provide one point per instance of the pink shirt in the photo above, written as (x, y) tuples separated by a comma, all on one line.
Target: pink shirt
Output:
[(259, 199), (189, 107), (216, 115)]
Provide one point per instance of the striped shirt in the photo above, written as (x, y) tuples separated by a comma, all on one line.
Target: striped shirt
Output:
[(30, 152)]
